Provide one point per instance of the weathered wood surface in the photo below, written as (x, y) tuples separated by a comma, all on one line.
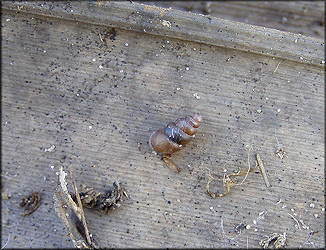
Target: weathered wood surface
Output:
[(304, 17), (96, 100)]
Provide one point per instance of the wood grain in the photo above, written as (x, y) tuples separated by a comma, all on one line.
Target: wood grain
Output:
[(97, 100), (300, 17)]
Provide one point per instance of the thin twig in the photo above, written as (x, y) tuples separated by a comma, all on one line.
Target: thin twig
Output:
[(222, 227), (248, 169), (277, 67), (262, 169), (101, 38), (307, 241)]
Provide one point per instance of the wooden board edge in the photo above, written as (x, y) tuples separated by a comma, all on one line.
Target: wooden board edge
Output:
[(182, 25)]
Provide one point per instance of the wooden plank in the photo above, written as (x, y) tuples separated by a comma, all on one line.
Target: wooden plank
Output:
[(176, 24), (96, 99), (301, 17)]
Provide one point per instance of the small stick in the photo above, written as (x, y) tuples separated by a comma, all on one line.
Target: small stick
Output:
[(222, 227), (262, 169), (80, 206), (101, 38), (277, 67)]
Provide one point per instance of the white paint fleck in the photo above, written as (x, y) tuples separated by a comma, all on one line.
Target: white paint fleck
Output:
[(7, 19), (187, 68), (121, 71), (178, 88), (316, 216), (44, 51), (101, 67), (126, 44), (166, 23), (196, 96), (278, 110), (94, 59), (258, 111), (312, 205), (52, 167), (50, 149), (248, 227), (90, 127)]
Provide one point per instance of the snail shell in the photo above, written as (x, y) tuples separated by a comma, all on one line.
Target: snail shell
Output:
[(175, 135)]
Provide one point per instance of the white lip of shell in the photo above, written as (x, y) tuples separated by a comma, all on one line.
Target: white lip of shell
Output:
[(150, 144)]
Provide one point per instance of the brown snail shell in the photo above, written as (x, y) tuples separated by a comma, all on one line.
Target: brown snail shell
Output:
[(175, 135)]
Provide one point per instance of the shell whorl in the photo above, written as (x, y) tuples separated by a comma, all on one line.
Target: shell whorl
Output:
[(175, 134)]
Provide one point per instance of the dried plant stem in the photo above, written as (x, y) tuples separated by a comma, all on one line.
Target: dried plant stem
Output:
[(262, 169), (83, 219), (74, 220), (249, 170), (295, 220)]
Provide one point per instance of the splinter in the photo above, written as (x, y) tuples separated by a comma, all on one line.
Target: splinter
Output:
[(262, 169)]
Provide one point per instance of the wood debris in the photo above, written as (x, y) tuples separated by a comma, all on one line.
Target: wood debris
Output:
[(227, 182), (30, 203), (281, 153), (262, 169), (72, 213), (278, 240), (105, 202)]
